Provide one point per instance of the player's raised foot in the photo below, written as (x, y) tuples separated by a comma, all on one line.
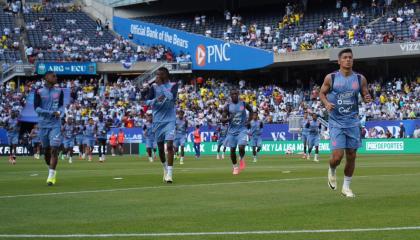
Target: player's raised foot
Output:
[(332, 180), (347, 192), (235, 171), (242, 164)]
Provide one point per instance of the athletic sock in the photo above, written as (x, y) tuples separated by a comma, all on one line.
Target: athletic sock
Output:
[(182, 158), (170, 170), (332, 170), (51, 173), (347, 181)]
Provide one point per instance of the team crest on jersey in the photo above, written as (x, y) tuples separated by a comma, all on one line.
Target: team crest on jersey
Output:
[(355, 85)]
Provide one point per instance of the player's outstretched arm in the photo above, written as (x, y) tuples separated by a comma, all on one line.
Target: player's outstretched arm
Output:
[(325, 89)]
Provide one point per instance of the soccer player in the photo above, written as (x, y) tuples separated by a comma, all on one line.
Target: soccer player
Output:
[(339, 94), (89, 138), (314, 127), (180, 135), (149, 136), (255, 132), (49, 105), (120, 140), (36, 144), (113, 142), (80, 138), (305, 132), (13, 128), (197, 142), (221, 138), (237, 135), (162, 99), (102, 128), (69, 132)]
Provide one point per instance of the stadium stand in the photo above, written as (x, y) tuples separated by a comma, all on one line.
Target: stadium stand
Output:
[(294, 29), (9, 42)]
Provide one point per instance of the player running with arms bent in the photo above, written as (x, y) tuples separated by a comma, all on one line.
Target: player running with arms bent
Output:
[(339, 94)]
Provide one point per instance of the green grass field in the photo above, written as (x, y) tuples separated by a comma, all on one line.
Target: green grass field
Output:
[(277, 194)]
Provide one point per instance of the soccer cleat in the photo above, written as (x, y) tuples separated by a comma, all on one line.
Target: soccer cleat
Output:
[(242, 164), (308, 157), (181, 162), (51, 181), (255, 160), (332, 180), (316, 158), (217, 157), (223, 155), (70, 160), (13, 161), (168, 178), (150, 159), (304, 156), (235, 171), (347, 192)]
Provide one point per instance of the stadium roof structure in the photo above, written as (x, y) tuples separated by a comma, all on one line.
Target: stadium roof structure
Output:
[(121, 3)]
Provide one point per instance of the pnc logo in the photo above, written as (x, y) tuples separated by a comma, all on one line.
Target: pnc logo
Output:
[(210, 54), (200, 55)]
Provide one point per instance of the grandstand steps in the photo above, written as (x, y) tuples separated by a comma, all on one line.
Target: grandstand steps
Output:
[(23, 40)]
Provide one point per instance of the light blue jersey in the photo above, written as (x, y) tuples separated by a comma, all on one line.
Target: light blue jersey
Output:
[(344, 95), (344, 121), (163, 110), (314, 128), (101, 130), (238, 121), (305, 130), (69, 131), (181, 127), (256, 129)]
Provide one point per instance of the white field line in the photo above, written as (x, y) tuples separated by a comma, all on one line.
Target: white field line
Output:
[(274, 232), (185, 186)]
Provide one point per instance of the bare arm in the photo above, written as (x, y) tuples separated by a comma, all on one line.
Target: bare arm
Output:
[(325, 89), (364, 91)]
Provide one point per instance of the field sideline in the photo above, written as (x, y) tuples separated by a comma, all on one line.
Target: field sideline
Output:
[(282, 197)]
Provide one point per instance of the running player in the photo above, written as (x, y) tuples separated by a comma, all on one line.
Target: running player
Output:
[(339, 94), (79, 138), (235, 114), (149, 136), (69, 132), (314, 127), (13, 128), (180, 135), (102, 128), (162, 99), (49, 105), (255, 132), (36, 144), (89, 138), (221, 138), (305, 132)]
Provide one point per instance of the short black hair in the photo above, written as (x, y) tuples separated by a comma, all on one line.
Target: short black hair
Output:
[(165, 70), (49, 72), (346, 50)]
